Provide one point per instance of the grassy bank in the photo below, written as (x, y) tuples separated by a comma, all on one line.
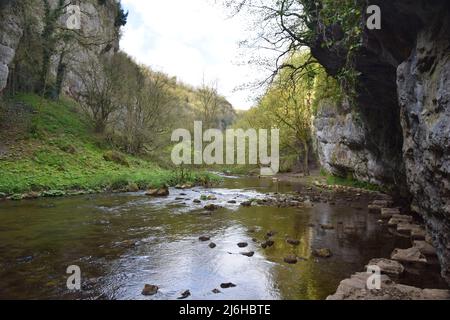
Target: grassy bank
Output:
[(49, 148), (349, 182)]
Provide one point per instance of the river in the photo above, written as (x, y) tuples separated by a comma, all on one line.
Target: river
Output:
[(123, 241)]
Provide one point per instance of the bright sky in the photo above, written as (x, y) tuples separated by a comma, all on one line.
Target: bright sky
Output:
[(189, 39)]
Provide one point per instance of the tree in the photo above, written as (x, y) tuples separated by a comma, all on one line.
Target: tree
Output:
[(100, 84)]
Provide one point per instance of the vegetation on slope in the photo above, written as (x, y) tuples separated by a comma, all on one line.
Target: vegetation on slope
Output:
[(50, 149)]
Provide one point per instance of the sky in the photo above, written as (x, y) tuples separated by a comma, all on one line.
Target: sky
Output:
[(191, 39)]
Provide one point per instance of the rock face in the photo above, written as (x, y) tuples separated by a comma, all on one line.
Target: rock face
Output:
[(97, 24), (400, 135)]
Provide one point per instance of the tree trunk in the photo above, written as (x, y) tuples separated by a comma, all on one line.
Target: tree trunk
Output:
[(60, 76), (306, 158)]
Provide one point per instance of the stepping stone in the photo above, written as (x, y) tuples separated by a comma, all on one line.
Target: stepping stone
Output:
[(412, 255), (387, 213), (388, 267), (398, 218), (407, 228), (425, 248)]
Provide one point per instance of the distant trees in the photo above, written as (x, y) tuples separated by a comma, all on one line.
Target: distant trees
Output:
[(288, 105)]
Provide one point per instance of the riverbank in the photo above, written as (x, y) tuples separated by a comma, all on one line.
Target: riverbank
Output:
[(48, 150)]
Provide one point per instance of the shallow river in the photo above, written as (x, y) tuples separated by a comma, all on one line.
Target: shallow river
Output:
[(124, 241)]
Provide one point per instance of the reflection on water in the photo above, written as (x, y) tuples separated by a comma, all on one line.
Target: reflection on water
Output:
[(122, 242)]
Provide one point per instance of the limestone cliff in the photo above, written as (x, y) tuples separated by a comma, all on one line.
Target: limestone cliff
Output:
[(98, 30), (403, 106)]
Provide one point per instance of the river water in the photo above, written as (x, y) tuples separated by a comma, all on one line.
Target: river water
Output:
[(123, 241)]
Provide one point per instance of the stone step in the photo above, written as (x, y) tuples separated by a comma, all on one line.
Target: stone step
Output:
[(387, 213), (407, 228), (396, 219), (411, 255)]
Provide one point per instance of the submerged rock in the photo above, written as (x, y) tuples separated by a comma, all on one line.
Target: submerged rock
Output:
[(322, 253), (291, 259), (150, 290), (293, 242)]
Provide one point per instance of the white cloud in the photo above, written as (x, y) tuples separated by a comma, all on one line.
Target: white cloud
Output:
[(189, 39)]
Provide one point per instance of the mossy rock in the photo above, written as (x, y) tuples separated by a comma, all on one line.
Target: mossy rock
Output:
[(116, 157)]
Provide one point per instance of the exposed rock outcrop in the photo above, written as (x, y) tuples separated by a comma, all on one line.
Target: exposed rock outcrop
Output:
[(402, 136), (97, 25)]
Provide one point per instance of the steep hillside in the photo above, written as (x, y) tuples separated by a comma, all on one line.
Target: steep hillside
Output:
[(47, 148)]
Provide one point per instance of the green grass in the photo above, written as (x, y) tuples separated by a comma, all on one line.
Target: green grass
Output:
[(60, 153), (349, 181)]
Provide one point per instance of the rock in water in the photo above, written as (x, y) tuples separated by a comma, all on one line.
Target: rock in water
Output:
[(242, 244), (211, 207), (227, 285), (322, 253), (212, 245), (216, 291), (161, 192), (248, 254), (204, 238), (291, 259), (185, 295), (150, 290), (293, 242)]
